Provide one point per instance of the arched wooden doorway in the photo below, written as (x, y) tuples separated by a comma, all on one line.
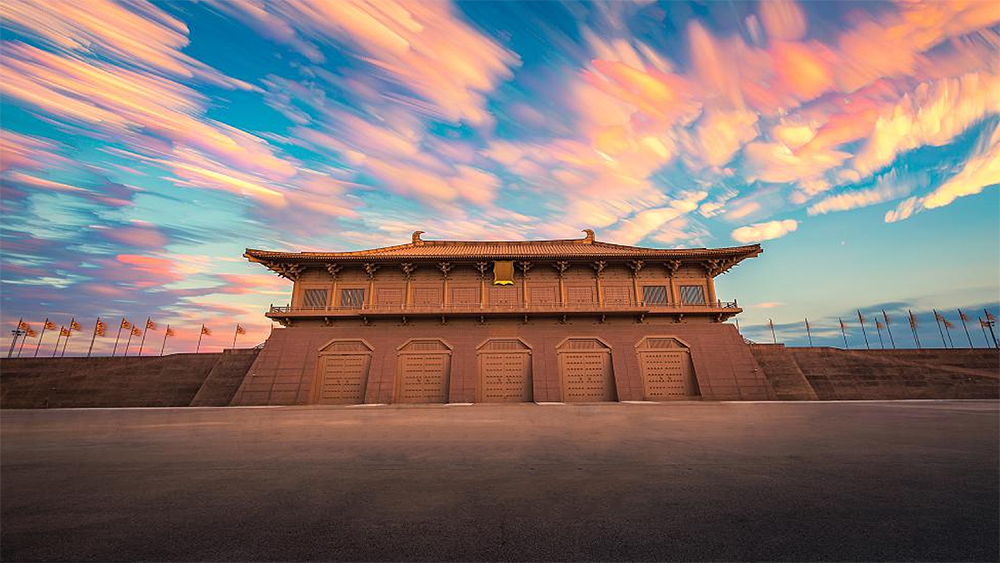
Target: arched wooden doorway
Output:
[(423, 367), (342, 372), (503, 371), (585, 370), (666, 368)]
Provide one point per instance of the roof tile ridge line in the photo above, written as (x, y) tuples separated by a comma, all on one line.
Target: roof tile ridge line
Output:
[(518, 242)]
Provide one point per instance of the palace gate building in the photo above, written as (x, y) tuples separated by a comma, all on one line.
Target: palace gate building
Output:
[(576, 320)]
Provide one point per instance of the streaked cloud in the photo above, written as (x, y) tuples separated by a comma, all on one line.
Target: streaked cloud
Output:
[(764, 231)]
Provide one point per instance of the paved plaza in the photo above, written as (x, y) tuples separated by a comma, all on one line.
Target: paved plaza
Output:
[(685, 481)]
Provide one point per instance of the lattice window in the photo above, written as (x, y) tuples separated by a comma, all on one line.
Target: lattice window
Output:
[(616, 295), (654, 294), (352, 298), (426, 296), (580, 295), (314, 298), (693, 294), (543, 295), (504, 296), (388, 296), (464, 296)]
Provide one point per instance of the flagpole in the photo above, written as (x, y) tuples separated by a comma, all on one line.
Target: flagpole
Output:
[(809, 333), (42, 334), (843, 331), (888, 329), (235, 332), (861, 320), (58, 338), (93, 337), (143, 341), (947, 330), (877, 328), (128, 342), (25, 337), (200, 334), (66, 343), (773, 337), (17, 332), (165, 332), (990, 320), (937, 319), (913, 328), (118, 336), (961, 317)]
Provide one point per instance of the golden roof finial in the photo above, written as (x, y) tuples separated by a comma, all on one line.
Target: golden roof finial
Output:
[(416, 237), (590, 236)]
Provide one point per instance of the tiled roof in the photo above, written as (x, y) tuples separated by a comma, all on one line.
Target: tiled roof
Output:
[(585, 248)]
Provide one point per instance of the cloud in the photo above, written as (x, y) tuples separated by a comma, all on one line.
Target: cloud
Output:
[(980, 171), (423, 46), (888, 187), (933, 114), (764, 231), (136, 33)]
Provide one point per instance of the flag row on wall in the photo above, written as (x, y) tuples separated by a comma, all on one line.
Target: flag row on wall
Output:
[(987, 322), (24, 331)]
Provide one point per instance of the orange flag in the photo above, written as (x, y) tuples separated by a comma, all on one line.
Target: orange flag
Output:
[(63, 331), (73, 325), (170, 331), (101, 327), (240, 329), (150, 325), (30, 332), (205, 331), (23, 326), (49, 325), (125, 323), (136, 331)]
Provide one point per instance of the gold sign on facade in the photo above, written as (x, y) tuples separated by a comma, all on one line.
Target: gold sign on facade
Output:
[(503, 273)]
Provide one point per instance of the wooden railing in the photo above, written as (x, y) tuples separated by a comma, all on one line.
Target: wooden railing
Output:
[(618, 306)]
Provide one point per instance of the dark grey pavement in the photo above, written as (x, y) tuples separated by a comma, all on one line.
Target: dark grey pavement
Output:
[(687, 481)]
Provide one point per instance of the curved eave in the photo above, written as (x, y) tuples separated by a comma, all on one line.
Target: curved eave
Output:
[(386, 255)]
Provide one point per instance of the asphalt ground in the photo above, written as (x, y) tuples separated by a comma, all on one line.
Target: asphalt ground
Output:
[(907, 480)]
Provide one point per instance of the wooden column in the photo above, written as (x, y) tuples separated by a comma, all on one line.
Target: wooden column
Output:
[(598, 274), (636, 267), (525, 266), (370, 269), (408, 270), (481, 267), (672, 267), (561, 267), (334, 270), (445, 267), (711, 290)]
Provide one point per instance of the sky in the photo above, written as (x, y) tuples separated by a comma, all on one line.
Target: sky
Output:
[(145, 145)]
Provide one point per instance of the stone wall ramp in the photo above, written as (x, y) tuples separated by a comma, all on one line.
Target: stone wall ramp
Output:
[(784, 375), (225, 378)]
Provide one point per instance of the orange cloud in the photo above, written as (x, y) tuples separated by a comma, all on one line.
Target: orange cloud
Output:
[(137, 33), (423, 45)]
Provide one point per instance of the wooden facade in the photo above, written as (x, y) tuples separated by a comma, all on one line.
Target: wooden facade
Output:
[(488, 321)]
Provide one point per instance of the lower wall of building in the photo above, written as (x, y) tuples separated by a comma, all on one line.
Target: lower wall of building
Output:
[(835, 374), (174, 380), (286, 369)]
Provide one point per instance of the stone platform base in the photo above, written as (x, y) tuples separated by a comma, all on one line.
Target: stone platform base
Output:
[(286, 370)]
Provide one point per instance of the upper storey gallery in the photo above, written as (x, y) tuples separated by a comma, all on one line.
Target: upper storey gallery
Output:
[(497, 278)]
